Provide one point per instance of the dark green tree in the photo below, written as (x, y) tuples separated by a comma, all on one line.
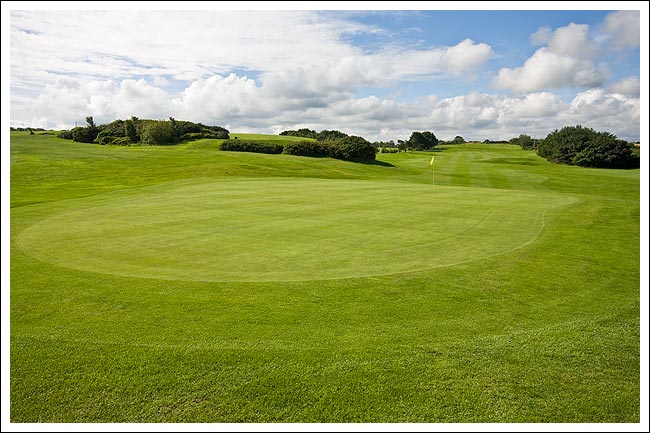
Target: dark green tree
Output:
[(352, 148), (526, 142), (577, 145), (130, 129), (158, 132), (327, 135), (303, 132), (421, 141), (87, 134)]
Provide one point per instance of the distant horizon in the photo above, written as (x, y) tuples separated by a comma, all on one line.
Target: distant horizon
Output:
[(379, 74), (442, 139)]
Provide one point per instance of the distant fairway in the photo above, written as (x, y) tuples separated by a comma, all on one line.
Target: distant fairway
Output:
[(255, 229), (186, 284)]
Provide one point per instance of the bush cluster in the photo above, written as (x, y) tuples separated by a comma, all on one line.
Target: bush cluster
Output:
[(316, 149), (144, 131), (302, 132), (324, 135), (577, 145), (84, 135), (65, 135), (525, 142), (424, 140), (350, 148), (251, 146)]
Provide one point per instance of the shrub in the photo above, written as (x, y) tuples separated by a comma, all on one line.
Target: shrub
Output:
[(419, 141), (250, 146), (67, 135), (189, 136), (115, 128), (307, 148), (213, 133), (329, 135), (120, 141), (303, 132), (105, 136), (158, 132), (524, 141), (84, 135), (103, 140), (352, 148), (217, 132), (131, 130), (576, 145)]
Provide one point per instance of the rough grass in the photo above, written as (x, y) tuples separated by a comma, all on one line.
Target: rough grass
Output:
[(545, 332)]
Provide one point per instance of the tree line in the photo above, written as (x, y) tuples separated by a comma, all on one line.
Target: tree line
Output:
[(324, 135)]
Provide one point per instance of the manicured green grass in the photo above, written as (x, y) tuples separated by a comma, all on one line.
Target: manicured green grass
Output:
[(262, 229), (163, 284)]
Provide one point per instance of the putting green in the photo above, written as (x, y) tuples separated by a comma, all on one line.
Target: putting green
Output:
[(286, 229)]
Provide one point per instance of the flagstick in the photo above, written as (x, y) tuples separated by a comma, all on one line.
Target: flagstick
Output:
[(433, 171)]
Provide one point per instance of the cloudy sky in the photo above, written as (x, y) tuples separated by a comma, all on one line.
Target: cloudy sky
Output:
[(379, 74)]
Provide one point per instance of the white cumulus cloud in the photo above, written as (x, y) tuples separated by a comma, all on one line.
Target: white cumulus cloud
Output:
[(573, 41), (242, 104), (624, 27), (567, 61), (541, 36), (628, 86)]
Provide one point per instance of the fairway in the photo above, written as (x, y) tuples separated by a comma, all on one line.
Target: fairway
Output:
[(287, 229), (187, 284)]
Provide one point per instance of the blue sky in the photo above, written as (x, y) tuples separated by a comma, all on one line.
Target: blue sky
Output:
[(507, 32), (379, 74)]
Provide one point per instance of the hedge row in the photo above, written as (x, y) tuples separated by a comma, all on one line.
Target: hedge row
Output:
[(348, 148), (251, 146), (317, 149)]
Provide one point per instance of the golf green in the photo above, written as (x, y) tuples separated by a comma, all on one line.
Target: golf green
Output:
[(278, 229)]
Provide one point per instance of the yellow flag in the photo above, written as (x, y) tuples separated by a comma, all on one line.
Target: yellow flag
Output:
[(433, 159)]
